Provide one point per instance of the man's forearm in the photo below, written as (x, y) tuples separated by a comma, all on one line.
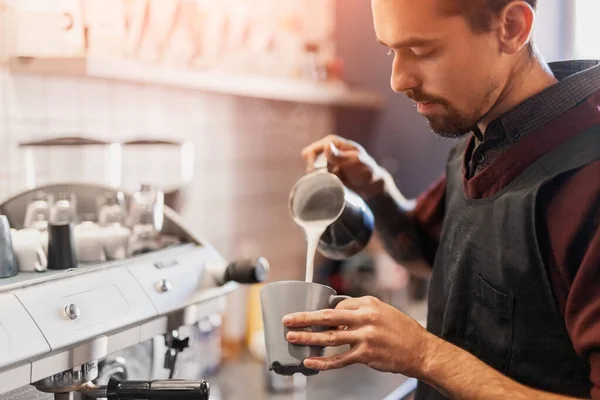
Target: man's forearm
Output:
[(395, 226), (461, 376)]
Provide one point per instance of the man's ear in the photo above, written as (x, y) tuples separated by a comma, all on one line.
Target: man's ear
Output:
[(515, 26)]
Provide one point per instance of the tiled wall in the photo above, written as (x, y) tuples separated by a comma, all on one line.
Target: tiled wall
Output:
[(246, 151)]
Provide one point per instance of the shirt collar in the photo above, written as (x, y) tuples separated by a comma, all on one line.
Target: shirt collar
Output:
[(577, 80)]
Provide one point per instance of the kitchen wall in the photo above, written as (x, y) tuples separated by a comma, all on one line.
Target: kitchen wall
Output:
[(402, 140), (553, 32)]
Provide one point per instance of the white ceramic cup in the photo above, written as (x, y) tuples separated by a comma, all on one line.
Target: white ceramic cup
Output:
[(29, 249), (89, 242), (115, 239)]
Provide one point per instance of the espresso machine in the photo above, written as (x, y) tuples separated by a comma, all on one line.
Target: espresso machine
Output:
[(61, 328)]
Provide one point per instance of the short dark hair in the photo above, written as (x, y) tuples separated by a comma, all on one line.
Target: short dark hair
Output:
[(479, 13)]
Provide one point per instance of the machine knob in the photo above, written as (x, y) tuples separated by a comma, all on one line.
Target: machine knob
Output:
[(247, 271), (72, 311), (164, 286)]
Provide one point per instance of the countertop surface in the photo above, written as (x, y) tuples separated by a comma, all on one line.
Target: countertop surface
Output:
[(247, 380)]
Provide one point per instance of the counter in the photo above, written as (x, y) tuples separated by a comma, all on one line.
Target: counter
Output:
[(246, 380)]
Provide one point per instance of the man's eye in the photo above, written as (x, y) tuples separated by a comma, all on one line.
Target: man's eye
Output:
[(421, 52)]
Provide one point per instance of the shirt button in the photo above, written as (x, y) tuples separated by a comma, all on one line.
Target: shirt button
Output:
[(479, 158), (514, 135)]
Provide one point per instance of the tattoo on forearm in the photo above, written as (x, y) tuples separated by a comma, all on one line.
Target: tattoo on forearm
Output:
[(396, 229)]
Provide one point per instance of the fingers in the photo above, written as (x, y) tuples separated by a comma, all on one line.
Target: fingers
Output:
[(349, 304), (310, 155), (327, 317), (310, 152), (329, 338), (334, 362), (342, 158), (344, 314)]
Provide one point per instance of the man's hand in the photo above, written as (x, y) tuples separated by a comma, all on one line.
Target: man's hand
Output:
[(379, 336), (349, 161), (387, 340)]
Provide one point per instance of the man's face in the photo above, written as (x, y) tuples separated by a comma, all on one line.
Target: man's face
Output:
[(453, 74)]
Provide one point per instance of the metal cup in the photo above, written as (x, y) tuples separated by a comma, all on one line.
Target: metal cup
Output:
[(281, 298), (8, 264)]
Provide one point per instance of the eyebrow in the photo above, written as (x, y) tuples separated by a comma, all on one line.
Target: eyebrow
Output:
[(410, 42)]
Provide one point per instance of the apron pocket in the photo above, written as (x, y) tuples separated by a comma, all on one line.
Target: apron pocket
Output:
[(489, 331)]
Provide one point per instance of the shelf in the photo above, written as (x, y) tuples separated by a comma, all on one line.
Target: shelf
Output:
[(254, 86)]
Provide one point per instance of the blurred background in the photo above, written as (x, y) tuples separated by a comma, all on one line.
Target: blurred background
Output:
[(212, 101)]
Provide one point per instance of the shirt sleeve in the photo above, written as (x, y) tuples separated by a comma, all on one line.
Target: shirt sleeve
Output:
[(429, 217), (573, 229)]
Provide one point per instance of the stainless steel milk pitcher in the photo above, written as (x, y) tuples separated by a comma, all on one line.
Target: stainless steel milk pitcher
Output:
[(321, 195)]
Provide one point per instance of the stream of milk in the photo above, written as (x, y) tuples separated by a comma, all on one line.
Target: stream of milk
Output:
[(313, 230)]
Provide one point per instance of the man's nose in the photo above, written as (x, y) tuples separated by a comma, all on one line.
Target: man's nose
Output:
[(403, 79)]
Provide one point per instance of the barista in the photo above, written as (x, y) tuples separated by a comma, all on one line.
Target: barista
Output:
[(510, 233)]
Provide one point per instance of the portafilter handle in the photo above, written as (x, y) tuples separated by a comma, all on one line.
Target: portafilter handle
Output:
[(157, 390)]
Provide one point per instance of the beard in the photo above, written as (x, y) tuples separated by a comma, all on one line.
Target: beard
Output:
[(452, 124)]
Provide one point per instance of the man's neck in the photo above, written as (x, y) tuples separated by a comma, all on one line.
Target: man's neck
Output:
[(527, 80)]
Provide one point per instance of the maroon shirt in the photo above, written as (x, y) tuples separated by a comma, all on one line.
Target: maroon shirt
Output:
[(570, 238)]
